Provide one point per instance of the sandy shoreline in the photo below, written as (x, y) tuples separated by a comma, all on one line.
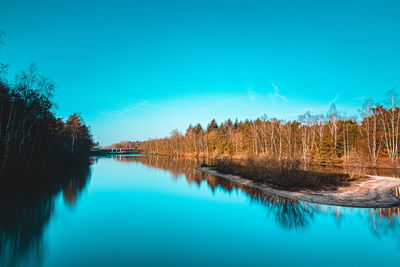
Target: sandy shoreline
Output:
[(373, 192)]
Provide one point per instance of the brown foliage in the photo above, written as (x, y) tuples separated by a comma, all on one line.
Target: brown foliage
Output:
[(284, 174)]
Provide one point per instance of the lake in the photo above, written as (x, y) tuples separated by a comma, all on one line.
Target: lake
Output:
[(154, 210)]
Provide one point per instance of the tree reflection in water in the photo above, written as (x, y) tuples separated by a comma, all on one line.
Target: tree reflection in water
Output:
[(385, 222), (26, 211), (290, 214)]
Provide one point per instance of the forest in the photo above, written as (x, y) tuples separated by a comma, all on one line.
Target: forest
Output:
[(371, 138), (32, 138)]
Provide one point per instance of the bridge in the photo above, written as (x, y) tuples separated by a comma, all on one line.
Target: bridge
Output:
[(113, 151)]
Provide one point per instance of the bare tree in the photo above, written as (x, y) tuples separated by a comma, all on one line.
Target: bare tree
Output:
[(305, 121), (333, 118), (390, 118), (369, 130)]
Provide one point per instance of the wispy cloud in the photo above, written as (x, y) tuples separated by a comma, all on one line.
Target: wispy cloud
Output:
[(218, 104), (183, 105), (127, 109), (361, 98), (135, 106), (251, 93), (277, 93)]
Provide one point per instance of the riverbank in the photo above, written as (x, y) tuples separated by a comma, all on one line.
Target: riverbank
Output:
[(382, 164), (371, 192)]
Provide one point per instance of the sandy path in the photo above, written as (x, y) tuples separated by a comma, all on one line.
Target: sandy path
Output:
[(373, 192)]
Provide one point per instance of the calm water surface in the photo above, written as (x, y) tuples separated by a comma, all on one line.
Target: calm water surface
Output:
[(148, 210)]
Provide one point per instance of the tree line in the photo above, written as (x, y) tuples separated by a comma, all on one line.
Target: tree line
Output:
[(371, 137), (31, 136), (123, 145)]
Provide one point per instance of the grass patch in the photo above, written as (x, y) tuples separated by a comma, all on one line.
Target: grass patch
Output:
[(282, 174)]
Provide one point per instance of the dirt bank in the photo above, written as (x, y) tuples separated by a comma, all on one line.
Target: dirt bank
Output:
[(372, 192)]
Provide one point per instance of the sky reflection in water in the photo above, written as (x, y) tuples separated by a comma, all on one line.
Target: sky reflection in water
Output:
[(157, 210)]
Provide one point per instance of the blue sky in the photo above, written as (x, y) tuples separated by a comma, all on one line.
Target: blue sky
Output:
[(139, 69)]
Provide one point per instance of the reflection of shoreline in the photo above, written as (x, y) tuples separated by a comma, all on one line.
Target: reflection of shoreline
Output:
[(290, 214), (26, 212), (371, 192)]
